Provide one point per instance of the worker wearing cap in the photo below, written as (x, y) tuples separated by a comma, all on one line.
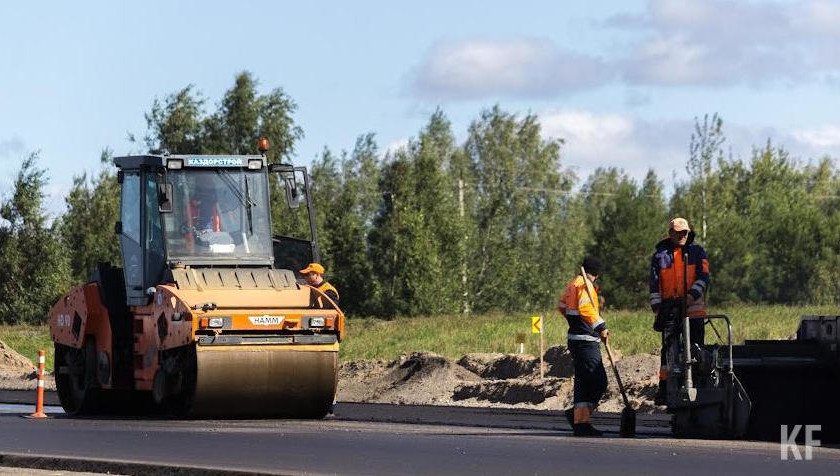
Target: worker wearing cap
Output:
[(679, 276), (203, 211), (314, 275), (581, 307)]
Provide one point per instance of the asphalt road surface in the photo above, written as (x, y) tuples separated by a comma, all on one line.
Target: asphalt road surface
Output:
[(387, 439)]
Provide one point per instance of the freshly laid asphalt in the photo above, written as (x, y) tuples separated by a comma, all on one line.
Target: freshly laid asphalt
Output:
[(385, 439)]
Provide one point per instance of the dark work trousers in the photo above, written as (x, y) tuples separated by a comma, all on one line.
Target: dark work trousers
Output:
[(674, 328), (590, 376)]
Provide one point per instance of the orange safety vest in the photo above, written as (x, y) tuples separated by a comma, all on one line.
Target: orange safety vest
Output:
[(324, 287), (193, 214), (671, 274), (582, 314)]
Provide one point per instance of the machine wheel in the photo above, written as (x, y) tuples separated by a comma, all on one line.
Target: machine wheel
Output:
[(75, 378), (174, 384)]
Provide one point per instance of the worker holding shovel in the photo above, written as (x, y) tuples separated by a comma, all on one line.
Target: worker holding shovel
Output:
[(582, 310)]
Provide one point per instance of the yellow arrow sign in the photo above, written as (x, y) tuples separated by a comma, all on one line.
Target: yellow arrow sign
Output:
[(536, 325)]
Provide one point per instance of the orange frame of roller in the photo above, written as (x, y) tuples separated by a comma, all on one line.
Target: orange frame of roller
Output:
[(207, 316)]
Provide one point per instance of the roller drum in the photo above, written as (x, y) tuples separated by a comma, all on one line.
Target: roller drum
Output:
[(286, 381)]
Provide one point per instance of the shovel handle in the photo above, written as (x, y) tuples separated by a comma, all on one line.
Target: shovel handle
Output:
[(606, 344), (617, 377)]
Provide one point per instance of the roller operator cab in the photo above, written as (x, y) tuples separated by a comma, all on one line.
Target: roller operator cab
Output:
[(207, 315)]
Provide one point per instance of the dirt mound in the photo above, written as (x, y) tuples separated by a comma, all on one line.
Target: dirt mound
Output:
[(18, 373), (639, 374), (511, 392), (416, 378), (13, 362), (425, 378), (500, 366), (559, 362)]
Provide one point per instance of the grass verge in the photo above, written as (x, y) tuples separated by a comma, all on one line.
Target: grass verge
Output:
[(454, 336)]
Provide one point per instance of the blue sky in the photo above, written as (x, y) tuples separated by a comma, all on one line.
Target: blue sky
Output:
[(620, 81)]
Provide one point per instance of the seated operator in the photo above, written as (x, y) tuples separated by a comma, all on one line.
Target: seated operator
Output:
[(314, 275), (203, 210)]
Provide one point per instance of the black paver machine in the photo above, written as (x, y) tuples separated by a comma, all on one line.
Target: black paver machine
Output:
[(705, 396)]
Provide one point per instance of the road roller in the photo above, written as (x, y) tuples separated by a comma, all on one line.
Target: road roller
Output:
[(208, 315)]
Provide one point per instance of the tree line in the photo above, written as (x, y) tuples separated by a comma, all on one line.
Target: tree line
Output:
[(496, 222)]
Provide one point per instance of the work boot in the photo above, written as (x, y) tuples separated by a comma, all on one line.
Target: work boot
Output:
[(586, 429), (661, 397), (570, 416)]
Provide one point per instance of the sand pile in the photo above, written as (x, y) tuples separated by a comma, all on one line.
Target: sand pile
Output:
[(13, 362), (499, 366), (19, 373), (490, 380), (639, 374), (420, 378)]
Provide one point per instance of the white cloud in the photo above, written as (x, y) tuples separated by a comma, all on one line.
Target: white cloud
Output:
[(636, 145), (521, 67), (722, 42), (821, 16), (587, 127), (710, 43), (824, 137), (396, 145), (670, 60), (617, 140)]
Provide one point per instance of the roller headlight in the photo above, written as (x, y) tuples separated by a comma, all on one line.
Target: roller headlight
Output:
[(216, 322)]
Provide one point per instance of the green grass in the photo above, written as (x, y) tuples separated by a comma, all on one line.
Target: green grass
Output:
[(454, 336), (631, 332), (28, 340)]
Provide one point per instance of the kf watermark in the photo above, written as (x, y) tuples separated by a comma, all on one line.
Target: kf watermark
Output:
[(788, 441)]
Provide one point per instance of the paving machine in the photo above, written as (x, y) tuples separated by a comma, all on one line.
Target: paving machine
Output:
[(206, 316), (793, 382), (779, 383), (705, 396)]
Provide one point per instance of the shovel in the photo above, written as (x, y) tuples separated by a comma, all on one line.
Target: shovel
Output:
[(628, 414)]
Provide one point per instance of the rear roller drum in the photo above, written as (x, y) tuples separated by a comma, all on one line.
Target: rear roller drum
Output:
[(75, 378)]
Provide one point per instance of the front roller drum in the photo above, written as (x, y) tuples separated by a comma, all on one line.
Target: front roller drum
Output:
[(283, 381)]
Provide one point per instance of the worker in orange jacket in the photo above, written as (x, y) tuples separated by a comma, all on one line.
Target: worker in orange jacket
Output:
[(679, 278), (314, 275), (581, 307)]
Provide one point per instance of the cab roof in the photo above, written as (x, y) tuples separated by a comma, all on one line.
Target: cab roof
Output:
[(188, 161)]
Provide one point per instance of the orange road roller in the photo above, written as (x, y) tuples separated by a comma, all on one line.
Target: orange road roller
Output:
[(207, 315)]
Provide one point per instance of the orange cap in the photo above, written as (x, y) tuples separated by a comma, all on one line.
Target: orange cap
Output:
[(678, 224), (313, 268)]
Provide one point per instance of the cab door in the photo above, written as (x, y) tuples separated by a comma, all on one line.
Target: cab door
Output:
[(152, 231), (130, 238), (296, 244)]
